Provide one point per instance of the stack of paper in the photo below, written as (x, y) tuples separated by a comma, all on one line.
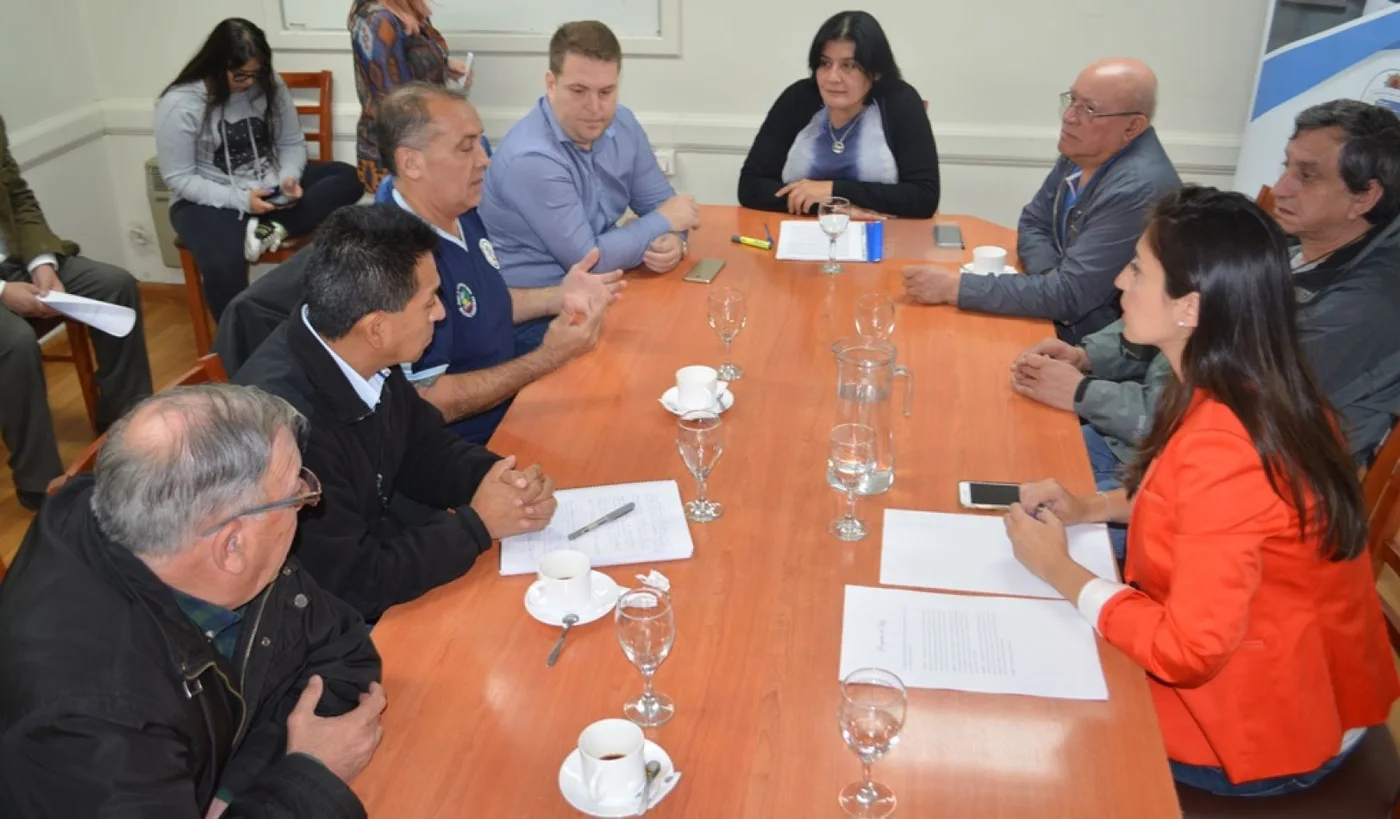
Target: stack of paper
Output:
[(806, 242), (995, 645), (972, 553), (655, 531)]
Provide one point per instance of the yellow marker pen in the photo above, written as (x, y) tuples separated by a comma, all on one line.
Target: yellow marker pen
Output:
[(758, 243)]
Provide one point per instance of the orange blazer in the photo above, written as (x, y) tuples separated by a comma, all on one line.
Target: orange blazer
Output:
[(1261, 652)]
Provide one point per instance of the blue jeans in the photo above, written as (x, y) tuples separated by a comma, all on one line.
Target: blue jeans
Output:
[(1107, 470), (529, 335), (1215, 781)]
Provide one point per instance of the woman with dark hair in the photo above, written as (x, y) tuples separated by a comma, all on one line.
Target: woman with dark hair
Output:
[(853, 129), (1248, 598), (232, 152)]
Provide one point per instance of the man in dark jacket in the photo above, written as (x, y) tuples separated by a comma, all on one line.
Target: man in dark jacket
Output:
[(162, 656), (1339, 197), (1080, 229), (408, 505)]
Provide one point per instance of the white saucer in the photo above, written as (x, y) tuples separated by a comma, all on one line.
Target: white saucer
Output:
[(1006, 271), (571, 784), (726, 400), (605, 594)]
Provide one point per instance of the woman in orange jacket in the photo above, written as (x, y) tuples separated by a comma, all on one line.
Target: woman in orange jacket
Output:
[(1246, 601)]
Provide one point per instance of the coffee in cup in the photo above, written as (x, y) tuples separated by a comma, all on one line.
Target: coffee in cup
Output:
[(611, 759), (565, 582)]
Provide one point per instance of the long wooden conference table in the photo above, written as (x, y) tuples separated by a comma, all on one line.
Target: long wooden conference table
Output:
[(478, 726)]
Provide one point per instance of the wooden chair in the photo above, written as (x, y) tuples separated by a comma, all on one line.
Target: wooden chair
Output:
[(322, 137), (79, 353), (1265, 199), (1368, 784), (207, 370)]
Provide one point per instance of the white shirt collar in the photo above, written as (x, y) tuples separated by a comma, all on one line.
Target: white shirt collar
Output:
[(459, 241), (368, 390)]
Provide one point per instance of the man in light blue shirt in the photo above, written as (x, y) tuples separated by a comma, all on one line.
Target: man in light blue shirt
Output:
[(564, 175)]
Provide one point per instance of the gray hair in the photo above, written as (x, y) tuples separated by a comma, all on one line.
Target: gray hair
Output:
[(1370, 149), (161, 482), (403, 119)]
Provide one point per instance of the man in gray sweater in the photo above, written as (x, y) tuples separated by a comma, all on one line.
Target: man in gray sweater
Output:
[(1079, 230), (1339, 198)]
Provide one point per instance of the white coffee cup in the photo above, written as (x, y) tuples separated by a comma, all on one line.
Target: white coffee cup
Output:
[(565, 580), (697, 387), (988, 260), (610, 755)]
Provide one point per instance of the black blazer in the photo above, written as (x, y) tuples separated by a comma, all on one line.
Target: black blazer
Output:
[(907, 131)]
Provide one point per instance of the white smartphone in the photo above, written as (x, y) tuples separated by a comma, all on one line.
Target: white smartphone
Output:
[(986, 495)]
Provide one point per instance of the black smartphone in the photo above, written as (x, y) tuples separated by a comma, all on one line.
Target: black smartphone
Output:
[(986, 495), (278, 198), (948, 236)]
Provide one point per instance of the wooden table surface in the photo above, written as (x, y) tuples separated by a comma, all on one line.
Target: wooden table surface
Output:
[(478, 726)]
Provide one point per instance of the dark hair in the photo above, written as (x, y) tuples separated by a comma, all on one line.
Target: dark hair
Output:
[(362, 261), (229, 47), (587, 38), (1245, 354), (403, 118), (873, 53), (1370, 149)]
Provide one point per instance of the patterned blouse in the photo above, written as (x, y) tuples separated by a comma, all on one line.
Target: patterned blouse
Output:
[(386, 57)]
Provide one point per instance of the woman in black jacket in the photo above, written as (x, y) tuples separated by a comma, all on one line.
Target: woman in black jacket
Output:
[(852, 129)]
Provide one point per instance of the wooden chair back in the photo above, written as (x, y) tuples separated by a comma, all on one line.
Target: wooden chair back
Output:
[(79, 355), (319, 81), (1265, 199), (207, 370), (1381, 490)]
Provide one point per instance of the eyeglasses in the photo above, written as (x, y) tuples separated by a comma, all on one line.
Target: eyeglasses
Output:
[(245, 76), (308, 494), (1084, 110)]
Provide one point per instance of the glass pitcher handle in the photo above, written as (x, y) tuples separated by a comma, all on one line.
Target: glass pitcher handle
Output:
[(908, 389)]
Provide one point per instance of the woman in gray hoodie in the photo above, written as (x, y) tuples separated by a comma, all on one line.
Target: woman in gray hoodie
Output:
[(232, 152)]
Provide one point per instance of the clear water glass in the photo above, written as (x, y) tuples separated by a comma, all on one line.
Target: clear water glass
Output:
[(700, 439), (728, 313), (873, 705), (851, 460), (875, 316), (834, 215), (646, 630)]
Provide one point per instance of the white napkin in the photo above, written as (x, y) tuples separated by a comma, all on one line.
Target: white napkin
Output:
[(667, 784), (112, 319), (655, 580)]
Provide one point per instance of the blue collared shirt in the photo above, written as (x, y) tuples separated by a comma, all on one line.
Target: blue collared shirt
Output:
[(368, 389), (547, 202)]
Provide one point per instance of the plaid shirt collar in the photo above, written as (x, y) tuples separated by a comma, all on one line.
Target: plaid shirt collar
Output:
[(219, 625)]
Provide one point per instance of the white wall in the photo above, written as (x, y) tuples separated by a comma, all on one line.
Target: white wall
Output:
[(991, 72)]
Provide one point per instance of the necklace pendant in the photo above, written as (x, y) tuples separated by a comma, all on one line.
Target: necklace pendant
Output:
[(838, 146)]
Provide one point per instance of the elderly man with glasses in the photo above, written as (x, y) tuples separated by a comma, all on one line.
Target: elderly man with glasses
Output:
[(163, 655), (1080, 229)]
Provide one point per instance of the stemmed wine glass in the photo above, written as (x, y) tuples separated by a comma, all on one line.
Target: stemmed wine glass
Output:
[(700, 439), (875, 316), (833, 214), (850, 462), (728, 314), (872, 715), (646, 629)]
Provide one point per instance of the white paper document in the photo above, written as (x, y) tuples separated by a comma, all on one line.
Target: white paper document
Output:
[(806, 242), (934, 550), (655, 531), (992, 645), (112, 319)]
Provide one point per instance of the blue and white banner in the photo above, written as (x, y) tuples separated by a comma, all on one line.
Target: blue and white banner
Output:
[(1315, 51)]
